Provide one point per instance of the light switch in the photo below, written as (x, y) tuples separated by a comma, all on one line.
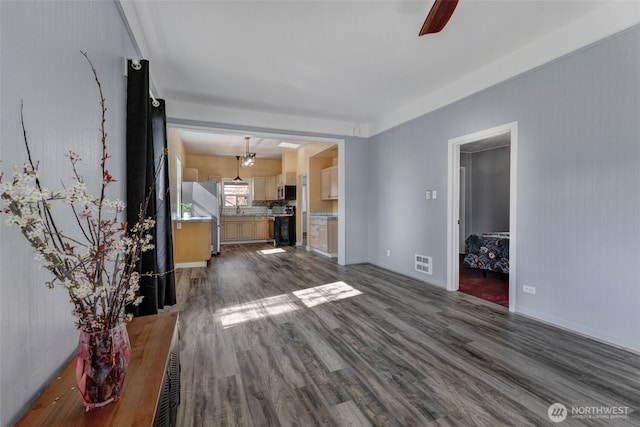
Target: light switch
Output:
[(433, 194), (428, 195)]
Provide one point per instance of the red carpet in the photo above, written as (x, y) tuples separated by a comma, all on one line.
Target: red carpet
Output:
[(494, 287)]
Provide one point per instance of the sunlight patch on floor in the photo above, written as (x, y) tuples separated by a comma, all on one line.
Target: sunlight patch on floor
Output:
[(326, 293), (253, 310), (285, 303), (272, 251)]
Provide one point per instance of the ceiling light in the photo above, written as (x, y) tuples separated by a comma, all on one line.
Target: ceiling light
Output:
[(249, 159), (288, 145), (237, 178)]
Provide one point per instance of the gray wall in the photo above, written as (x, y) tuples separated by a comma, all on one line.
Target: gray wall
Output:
[(489, 188), (41, 64), (356, 200), (578, 187)]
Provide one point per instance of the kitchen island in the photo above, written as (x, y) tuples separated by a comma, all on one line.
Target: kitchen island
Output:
[(192, 241)]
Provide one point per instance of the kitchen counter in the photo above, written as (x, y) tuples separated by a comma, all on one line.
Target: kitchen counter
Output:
[(195, 219), (255, 215), (324, 215), (243, 215)]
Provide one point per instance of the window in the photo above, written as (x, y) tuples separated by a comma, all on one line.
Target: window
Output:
[(236, 193)]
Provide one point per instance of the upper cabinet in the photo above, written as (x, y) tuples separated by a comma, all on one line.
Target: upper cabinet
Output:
[(287, 178), (322, 181), (329, 183), (264, 188), (259, 190), (271, 189)]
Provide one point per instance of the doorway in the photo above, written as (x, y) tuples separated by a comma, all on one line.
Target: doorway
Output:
[(462, 209), (304, 208), (203, 131), (494, 136)]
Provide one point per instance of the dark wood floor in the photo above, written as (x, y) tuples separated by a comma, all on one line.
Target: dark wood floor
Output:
[(294, 339)]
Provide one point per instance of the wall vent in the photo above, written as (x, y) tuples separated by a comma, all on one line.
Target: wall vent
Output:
[(423, 264)]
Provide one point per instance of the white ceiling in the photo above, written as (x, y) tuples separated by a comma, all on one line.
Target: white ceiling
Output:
[(214, 143), (348, 67)]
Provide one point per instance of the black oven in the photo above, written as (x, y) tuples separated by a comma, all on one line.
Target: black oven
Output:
[(284, 230)]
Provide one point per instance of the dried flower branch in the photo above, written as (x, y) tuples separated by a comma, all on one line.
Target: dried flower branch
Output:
[(97, 266)]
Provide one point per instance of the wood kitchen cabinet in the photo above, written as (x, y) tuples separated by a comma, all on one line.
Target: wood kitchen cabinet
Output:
[(261, 230), (323, 235), (329, 183), (271, 188), (288, 178), (259, 189), (191, 241), (244, 228), (229, 230), (265, 188), (247, 230)]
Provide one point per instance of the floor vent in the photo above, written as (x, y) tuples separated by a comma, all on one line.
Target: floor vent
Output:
[(423, 264)]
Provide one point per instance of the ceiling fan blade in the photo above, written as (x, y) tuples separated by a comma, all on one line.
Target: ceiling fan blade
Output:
[(438, 16)]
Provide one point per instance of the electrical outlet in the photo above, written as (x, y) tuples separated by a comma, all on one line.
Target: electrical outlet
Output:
[(428, 195), (529, 289), (388, 252)]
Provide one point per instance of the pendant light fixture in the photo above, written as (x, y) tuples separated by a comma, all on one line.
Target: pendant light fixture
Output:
[(237, 178), (249, 159)]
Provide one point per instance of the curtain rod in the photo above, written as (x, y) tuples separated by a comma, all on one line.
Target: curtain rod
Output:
[(135, 64)]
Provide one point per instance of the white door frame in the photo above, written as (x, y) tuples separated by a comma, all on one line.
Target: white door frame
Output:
[(453, 201), (462, 222)]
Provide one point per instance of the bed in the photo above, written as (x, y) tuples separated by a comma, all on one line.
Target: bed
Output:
[(488, 252)]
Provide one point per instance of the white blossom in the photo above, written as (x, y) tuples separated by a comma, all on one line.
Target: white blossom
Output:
[(96, 262), (81, 290)]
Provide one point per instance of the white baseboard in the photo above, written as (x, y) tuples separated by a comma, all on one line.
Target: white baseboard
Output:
[(190, 264), (239, 242), (318, 251), (606, 338), (429, 280)]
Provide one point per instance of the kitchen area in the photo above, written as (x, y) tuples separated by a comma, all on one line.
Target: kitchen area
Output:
[(285, 199), (266, 215)]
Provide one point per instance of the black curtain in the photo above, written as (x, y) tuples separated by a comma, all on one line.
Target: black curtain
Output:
[(146, 141), (164, 239)]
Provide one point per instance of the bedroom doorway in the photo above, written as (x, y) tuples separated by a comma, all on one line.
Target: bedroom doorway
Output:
[(462, 210), (496, 150)]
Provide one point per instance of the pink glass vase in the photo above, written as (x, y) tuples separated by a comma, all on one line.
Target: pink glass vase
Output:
[(101, 364)]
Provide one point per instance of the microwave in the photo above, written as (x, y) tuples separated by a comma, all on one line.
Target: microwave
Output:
[(287, 192)]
